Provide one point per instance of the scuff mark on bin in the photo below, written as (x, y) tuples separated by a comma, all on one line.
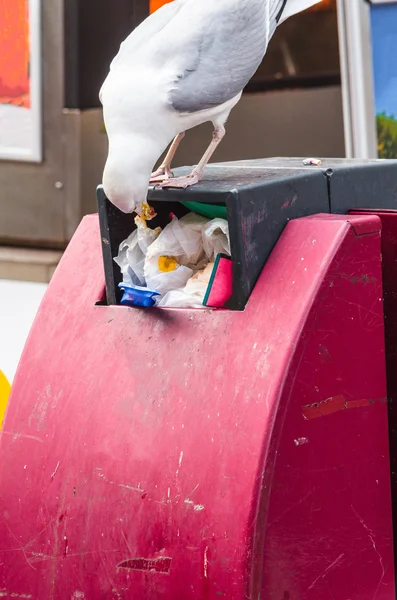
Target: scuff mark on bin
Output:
[(133, 488), (162, 564), (371, 536), (5, 594), (289, 202), (196, 507), (262, 362), (179, 463), (335, 404), (301, 441), (206, 562), (55, 470), (16, 436), (327, 570), (364, 278)]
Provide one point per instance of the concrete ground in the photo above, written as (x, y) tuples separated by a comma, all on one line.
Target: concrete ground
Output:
[(19, 302)]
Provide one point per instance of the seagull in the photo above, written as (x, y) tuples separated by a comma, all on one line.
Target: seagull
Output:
[(185, 65)]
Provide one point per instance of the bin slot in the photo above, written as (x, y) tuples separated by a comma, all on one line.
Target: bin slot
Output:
[(258, 197)]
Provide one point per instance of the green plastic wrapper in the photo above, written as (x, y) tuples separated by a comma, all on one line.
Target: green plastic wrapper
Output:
[(211, 211)]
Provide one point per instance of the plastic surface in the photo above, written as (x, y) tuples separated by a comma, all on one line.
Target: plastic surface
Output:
[(220, 286), (389, 259), (137, 296), (211, 211), (171, 454), (192, 294)]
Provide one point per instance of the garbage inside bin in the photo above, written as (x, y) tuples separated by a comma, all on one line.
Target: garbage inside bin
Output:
[(211, 211), (137, 296), (175, 264), (192, 295), (132, 252), (220, 286)]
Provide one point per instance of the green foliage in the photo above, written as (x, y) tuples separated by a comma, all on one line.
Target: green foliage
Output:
[(387, 136)]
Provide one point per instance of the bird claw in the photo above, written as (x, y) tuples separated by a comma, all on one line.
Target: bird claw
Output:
[(162, 174), (179, 182)]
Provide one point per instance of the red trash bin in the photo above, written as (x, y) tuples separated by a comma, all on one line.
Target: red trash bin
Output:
[(197, 454)]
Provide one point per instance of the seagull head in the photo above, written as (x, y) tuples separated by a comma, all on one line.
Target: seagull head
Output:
[(126, 178)]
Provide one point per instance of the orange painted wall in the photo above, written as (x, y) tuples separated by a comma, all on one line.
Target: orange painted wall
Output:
[(155, 4), (14, 52), (324, 5)]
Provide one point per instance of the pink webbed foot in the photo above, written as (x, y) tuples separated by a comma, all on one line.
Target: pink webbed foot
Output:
[(180, 182), (162, 174)]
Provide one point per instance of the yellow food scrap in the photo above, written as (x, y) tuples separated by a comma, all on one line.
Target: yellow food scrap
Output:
[(166, 264), (148, 212)]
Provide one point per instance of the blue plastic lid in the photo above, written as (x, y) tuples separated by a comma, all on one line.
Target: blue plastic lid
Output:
[(137, 296)]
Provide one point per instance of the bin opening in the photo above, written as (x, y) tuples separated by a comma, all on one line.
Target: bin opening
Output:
[(185, 250), (177, 261)]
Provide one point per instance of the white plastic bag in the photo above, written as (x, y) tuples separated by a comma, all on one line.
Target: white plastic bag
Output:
[(214, 241), (216, 238), (132, 253), (192, 295), (181, 241)]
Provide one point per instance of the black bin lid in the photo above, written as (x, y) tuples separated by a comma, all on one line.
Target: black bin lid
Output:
[(260, 197)]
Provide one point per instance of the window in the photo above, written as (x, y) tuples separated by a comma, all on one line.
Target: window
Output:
[(304, 52)]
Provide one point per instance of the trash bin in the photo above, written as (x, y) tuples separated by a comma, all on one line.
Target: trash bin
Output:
[(239, 453)]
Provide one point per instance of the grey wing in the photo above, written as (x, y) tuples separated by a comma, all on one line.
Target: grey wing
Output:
[(222, 57)]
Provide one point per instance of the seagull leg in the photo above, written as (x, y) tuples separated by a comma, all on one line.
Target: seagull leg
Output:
[(164, 170), (197, 173)]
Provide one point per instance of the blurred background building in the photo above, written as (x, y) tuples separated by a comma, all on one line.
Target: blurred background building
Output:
[(327, 87), (55, 54)]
